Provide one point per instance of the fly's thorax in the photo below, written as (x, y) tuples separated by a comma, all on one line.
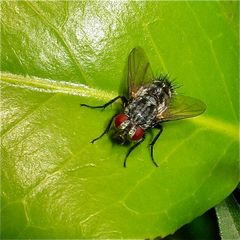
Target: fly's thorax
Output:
[(163, 91), (150, 102), (142, 111)]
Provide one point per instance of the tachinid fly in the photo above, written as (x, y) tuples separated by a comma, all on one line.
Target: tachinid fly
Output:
[(150, 101)]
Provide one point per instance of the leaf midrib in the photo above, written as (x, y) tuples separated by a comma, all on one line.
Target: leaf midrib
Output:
[(52, 86)]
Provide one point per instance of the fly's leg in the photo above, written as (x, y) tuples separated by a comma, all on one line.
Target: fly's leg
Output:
[(106, 130), (154, 141), (131, 149), (124, 100)]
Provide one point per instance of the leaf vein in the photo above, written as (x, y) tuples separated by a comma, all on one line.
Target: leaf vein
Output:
[(61, 37), (27, 115), (217, 64)]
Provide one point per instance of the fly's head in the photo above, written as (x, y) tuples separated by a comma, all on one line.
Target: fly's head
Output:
[(126, 131)]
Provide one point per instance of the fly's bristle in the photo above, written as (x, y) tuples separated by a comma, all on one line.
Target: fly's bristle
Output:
[(175, 85), (172, 84), (163, 77)]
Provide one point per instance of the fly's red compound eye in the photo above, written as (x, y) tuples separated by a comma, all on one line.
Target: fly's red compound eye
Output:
[(138, 134), (119, 119)]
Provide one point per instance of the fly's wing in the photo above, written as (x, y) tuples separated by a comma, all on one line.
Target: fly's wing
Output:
[(139, 70), (181, 107)]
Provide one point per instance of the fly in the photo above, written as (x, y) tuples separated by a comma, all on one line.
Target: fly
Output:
[(150, 102)]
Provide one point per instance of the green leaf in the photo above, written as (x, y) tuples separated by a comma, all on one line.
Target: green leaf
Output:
[(56, 55), (228, 213)]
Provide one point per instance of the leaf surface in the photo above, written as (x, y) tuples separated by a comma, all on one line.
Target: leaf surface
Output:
[(56, 55)]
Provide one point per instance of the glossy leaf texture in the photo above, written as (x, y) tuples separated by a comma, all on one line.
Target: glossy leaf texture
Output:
[(56, 55)]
